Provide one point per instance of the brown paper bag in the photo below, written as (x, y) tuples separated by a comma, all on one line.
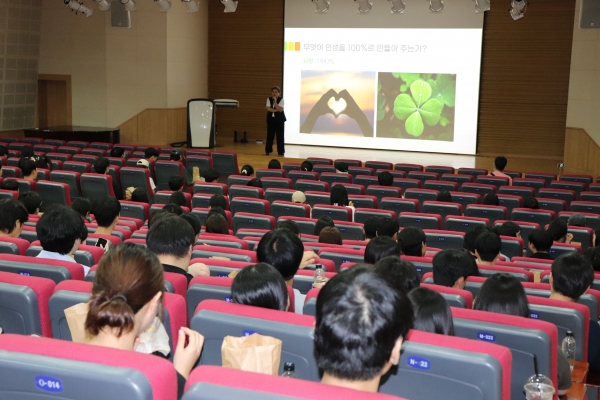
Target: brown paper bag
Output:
[(195, 173), (76, 316), (254, 353)]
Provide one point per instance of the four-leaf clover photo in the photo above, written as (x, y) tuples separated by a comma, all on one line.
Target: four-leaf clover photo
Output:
[(416, 106)]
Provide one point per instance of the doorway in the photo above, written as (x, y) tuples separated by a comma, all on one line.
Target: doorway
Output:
[(54, 106)]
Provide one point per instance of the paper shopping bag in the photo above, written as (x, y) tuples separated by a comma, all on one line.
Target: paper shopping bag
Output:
[(254, 353), (76, 316)]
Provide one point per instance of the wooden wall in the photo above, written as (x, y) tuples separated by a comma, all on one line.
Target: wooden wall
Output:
[(158, 126), (581, 153)]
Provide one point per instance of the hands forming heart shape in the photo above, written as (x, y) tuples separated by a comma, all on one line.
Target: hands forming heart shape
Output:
[(337, 106)]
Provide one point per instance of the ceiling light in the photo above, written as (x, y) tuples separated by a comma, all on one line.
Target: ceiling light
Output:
[(397, 6), (518, 9), (129, 5), (322, 5), (164, 5), (436, 5), (482, 5), (79, 7), (364, 6), (192, 6), (230, 5), (103, 5)]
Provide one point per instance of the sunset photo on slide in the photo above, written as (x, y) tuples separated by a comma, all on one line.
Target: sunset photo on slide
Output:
[(338, 103)]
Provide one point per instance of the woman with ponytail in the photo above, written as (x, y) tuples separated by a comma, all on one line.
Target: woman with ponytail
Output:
[(126, 297)]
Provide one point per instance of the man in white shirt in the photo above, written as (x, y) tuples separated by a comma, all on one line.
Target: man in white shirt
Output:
[(143, 163), (275, 121)]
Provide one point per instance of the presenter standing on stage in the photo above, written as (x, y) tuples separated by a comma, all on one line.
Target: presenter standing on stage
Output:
[(275, 121)]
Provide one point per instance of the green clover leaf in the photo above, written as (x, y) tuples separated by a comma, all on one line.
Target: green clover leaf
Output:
[(414, 124), (446, 87), (431, 111), (418, 109), (404, 106), (421, 92)]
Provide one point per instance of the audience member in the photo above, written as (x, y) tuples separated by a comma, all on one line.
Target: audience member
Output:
[(487, 248), (499, 165), (3, 151), (577, 220), (431, 312), (143, 163), (32, 202), (140, 195), (290, 225), (532, 203), (255, 182), (83, 206), (173, 208), (10, 184), (151, 153), (177, 154), (260, 285), (179, 199), (157, 216), (592, 254), (452, 267), (330, 235), (27, 152), (509, 228), (322, 222), (274, 164), (559, 231), (540, 242), (387, 226), (402, 272), (385, 178), (380, 247), (12, 217), (118, 152), (298, 197), (176, 183), (339, 197), (412, 242), (341, 167), (361, 321), (370, 227), (102, 166), (129, 193), (210, 175), (107, 211), (194, 222), (217, 224), (444, 196), (471, 237), (247, 170), (306, 166), (42, 162), (596, 238), (491, 199), (217, 210), (28, 169), (218, 200)]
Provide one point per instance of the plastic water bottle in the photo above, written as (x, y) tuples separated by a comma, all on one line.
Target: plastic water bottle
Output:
[(289, 370), (319, 276), (568, 347)]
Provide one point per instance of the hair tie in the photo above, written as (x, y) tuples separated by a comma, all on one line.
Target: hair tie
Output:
[(118, 296)]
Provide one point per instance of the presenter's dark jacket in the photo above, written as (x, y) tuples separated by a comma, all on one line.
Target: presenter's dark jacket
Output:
[(276, 117)]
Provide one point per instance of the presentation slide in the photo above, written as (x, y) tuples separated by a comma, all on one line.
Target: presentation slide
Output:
[(381, 88)]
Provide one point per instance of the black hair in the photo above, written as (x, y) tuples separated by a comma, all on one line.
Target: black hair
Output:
[(218, 200), (411, 241), (106, 209), (26, 151), (140, 195), (281, 249), (151, 152), (173, 208), (577, 220), (379, 247), (339, 195), (27, 166), (32, 201), (306, 166), (431, 312), (194, 222), (385, 178), (10, 184), (176, 182), (451, 264), (402, 272), (290, 225), (592, 254), (260, 285), (531, 202), (558, 230), (176, 154), (117, 152), (178, 198), (488, 245), (217, 224), (387, 226), (157, 215), (211, 175), (247, 170), (509, 228), (471, 237), (3, 150), (541, 240), (82, 205), (444, 196), (216, 210), (503, 294), (170, 236), (359, 318), (255, 182), (11, 211), (59, 228), (101, 164), (572, 275), (370, 227), (341, 166), (43, 162), (500, 163), (274, 164), (597, 240), (491, 199), (322, 222)]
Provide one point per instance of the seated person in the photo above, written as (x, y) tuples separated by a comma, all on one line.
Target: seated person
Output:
[(118, 152), (471, 237), (330, 235), (194, 222), (412, 242), (499, 165), (218, 200), (107, 211), (309, 256), (61, 231), (210, 175), (431, 312), (509, 228), (306, 166), (178, 155), (143, 163), (173, 208), (380, 247), (389, 227), (102, 166), (592, 254), (452, 267), (444, 196), (339, 197), (28, 169), (255, 182), (3, 151), (217, 224), (83, 206), (172, 240), (487, 248), (247, 170), (540, 242), (322, 222), (560, 232), (127, 296), (139, 195), (361, 321), (298, 197), (385, 178), (217, 210), (341, 167), (176, 183), (260, 285), (274, 164), (179, 199), (10, 184), (576, 220), (370, 228), (32, 202), (532, 203), (402, 272), (13, 215), (42, 162), (151, 153), (491, 199), (27, 152)]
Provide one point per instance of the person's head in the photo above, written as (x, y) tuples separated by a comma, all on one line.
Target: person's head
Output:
[(502, 294), (127, 291), (322, 222), (380, 247), (274, 164), (118, 152), (596, 238), (12, 217), (385, 178), (32, 202), (151, 153), (370, 227), (471, 237), (275, 91), (339, 195), (83, 206), (387, 226), (306, 166), (42, 162), (173, 208), (572, 275), (177, 154), (500, 163), (3, 150), (140, 195), (592, 254), (247, 170), (540, 240), (143, 163), (194, 222), (217, 224), (218, 200), (106, 211), (10, 184), (444, 196), (452, 267), (361, 321), (210, 175), (157, 216), (577, 220), (341, 166), (26, 151), (61, 229), (176, 183), (283, 250), (298, 197), (260, 285), (255, 182), (431, 312), (509, 228), (412, 242), (178, 198), (290, 225), (331, 235), (491, 199), (487, 246), (101, 165), (402, 272), (531, 202), (558, 230), (28, 168), (170, 236), (216, 210)]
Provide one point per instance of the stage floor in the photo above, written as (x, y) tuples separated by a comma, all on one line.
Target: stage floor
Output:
[(253, 154)]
